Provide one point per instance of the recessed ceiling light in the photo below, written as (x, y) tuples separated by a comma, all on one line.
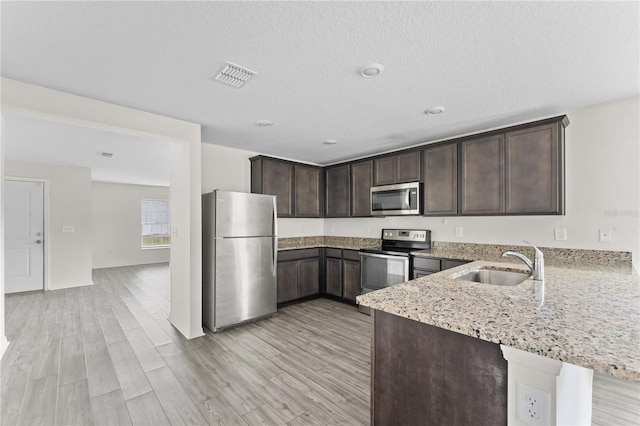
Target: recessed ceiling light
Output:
[(371, 70), (330, 142), (435, 110), (264, 123)]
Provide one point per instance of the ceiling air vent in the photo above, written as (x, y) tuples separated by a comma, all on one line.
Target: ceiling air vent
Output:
[(233, 75), (105, 154)]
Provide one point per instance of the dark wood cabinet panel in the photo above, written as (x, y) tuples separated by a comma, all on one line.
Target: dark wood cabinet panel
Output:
[(274, 177), (309, 191), (333, 276), (299, 274), (440, 179), (398, 168), (287, 281), (452, 263), (408, 167), (385, 170), (309, 277), (461, 380), (533, 169), (361, 182), (482, 176), (351, 279), (337, 201), (423, 266)]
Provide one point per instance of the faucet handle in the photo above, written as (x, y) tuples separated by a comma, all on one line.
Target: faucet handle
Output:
[(538, 251)]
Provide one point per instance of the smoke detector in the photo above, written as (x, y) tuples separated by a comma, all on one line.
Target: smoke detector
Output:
[(233, 75)]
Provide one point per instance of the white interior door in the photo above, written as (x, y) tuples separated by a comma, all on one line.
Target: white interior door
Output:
[(23, 236)]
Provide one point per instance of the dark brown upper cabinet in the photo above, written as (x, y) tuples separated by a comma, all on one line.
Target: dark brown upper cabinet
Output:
[(440, 177), (482, 176), (274, 177), (337, 200), (299, 187), (519, 171), (397, 168), (309, 190), (361, 182), (534, 160)]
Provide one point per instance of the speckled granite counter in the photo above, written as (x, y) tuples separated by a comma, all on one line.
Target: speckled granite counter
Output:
[(350, 243), (593, 260), (590, 319)]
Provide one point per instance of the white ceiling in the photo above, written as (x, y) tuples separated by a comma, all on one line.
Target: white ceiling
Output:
[(489, 63), (135, 160)]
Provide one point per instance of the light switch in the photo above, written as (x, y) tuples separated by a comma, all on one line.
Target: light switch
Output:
[(458, 231)]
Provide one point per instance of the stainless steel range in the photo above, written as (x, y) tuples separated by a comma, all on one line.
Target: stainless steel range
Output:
[(392, 264)]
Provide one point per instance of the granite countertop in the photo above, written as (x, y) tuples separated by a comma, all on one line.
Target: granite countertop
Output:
[(349, 243), (587, 318)]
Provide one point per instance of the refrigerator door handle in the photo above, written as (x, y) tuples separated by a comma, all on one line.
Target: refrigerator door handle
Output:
[(275, 216), (275, 255)]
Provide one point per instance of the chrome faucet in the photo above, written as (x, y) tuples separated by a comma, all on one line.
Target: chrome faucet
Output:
[(537, 267)]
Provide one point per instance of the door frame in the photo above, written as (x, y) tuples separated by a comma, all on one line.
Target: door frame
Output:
[(45, 225)]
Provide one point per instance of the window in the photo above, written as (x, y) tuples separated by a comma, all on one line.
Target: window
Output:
[(156, 227)]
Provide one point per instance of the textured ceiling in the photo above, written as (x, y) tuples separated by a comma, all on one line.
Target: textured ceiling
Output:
[(489, 63)]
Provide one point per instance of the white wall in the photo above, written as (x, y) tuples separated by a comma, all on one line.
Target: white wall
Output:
[(4, 343), (602, 192), (115, 220), (186, 258), (68, 190), (230, 169)]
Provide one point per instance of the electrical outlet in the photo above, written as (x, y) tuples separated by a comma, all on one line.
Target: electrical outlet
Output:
[(605, 235), (533, 405), (560, 234), (458, 231), (68, 228)]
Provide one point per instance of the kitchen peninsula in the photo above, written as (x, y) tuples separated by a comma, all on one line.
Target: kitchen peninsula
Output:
[(588, 316)]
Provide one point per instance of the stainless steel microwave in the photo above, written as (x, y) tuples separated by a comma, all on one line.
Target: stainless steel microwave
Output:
[(396, 200)]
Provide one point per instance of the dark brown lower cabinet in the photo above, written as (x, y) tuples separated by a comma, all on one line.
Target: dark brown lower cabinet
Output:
[(423, 266), (298, 274), (333, 275), (424, 375), (342, 273)]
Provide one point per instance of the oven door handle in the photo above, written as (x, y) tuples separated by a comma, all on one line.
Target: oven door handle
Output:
[(383, 256)]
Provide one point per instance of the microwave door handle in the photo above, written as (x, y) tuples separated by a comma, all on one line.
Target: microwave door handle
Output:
[(408, 198)]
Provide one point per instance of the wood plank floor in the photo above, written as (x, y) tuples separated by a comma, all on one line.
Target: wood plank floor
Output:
[(106, 354)]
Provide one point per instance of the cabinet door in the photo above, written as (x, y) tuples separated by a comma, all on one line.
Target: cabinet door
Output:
[(287, 281), (308, 190), (482, 176), (351, 279), (441, 180), (277, 179), (337, 191), (361, 181), (385, 170), (533, 169), (333, 276), (452, 263), (309, 277), (408, 166)]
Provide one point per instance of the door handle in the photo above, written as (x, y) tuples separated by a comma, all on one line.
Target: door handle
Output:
[(38, 241)]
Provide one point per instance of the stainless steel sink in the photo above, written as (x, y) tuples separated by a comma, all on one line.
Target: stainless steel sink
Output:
[(495, 277)]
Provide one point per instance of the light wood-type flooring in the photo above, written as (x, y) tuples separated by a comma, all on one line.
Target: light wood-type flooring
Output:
[(106, 354)]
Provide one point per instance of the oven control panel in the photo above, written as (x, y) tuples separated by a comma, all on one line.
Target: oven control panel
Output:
[(418, 235)]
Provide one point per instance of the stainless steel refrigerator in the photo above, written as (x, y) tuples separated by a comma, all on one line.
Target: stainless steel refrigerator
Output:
[(240, 247)]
